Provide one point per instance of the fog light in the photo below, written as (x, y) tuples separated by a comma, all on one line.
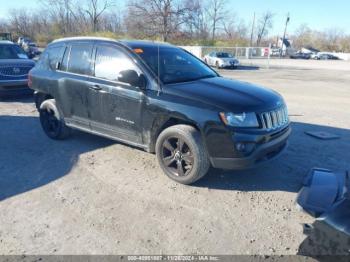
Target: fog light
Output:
[(245, 147), (240, 147)]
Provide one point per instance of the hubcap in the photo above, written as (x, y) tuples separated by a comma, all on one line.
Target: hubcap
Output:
[(177, 157)]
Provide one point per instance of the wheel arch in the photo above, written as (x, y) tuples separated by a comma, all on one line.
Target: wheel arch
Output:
[(158, 128), (40, 97)]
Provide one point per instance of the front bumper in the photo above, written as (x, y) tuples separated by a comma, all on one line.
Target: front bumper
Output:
[(229, 65), (14, 87), (261, 153)]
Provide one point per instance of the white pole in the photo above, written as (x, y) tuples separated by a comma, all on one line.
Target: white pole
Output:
[(268, 57)]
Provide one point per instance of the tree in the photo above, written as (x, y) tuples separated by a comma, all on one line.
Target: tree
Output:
[(95, 8), (20, 22), (264, 25), (195, 20), (235, 30), (303, 36), (61, 13), (156, 17), (217, 14), (332, 39)]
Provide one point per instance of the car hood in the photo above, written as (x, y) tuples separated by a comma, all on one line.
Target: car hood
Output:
[(230, 95)]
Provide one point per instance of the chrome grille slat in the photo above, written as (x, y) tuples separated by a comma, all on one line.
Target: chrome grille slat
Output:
[(279, 117), (274, 119), (269, 120)]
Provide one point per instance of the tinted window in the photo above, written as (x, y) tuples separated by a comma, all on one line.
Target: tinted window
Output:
[(55, 55), (12, 52), (79, 61), (110, 62), (224, 55), (175, 65)]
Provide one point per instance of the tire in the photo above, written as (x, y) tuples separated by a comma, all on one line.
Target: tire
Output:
[(52, 121), (217, 65), (181, 154)]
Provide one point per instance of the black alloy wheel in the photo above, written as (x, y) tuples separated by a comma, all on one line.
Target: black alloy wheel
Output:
[(177, 156)]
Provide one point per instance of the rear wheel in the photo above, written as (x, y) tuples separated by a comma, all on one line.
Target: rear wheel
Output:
[(51, 120), (181, 154)]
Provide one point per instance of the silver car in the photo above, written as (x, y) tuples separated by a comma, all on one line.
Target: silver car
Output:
[(221, 60)]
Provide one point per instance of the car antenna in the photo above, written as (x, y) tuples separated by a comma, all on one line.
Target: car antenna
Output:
[(158, 80)]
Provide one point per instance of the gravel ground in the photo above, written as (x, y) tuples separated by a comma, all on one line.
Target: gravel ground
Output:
[(90, 195)]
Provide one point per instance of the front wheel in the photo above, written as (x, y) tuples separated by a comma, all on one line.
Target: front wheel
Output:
[(181, 154)]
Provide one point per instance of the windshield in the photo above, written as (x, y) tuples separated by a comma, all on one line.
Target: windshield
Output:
[(224, 55), (12, 52), (174, 65)]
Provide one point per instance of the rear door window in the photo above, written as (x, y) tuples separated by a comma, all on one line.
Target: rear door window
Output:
[(79, 61), (55, 56)]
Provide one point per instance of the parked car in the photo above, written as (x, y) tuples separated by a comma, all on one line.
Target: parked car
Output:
[(221, 60), (300, 55), (160, 98), (14, 68), (22, 39), (326, 196), (326, 57), (313, 55), (6, 37), (31, 49)]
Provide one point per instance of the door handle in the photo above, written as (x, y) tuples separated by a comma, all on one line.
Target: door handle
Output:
[(96, 87)]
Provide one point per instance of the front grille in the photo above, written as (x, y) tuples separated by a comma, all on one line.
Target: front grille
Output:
[(15, 70), (274, 119)]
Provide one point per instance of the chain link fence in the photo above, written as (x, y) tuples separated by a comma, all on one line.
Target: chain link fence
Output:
[(239, 52)]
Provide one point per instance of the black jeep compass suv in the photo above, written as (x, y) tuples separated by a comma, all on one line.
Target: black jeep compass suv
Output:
[(160, 98)]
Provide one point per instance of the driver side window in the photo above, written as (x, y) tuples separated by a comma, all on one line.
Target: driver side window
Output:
[(111, 62)]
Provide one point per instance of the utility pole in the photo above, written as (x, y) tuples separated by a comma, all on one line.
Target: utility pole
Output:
[(285, 31), (248, 50), (252, 34)]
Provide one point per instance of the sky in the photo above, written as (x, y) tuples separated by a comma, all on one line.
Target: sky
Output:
[(317, 14)]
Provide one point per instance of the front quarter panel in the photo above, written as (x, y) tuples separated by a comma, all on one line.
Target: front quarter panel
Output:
[(164, 106)]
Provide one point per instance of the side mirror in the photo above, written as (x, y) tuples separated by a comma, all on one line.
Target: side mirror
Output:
[(131, 77)]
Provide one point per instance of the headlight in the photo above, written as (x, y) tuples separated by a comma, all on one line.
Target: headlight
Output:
[(240, 119)]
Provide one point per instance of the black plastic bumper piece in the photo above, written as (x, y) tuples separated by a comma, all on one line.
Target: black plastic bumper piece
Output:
[(262, 153)]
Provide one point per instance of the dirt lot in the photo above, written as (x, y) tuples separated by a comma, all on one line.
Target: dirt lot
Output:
[(89, 195)]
